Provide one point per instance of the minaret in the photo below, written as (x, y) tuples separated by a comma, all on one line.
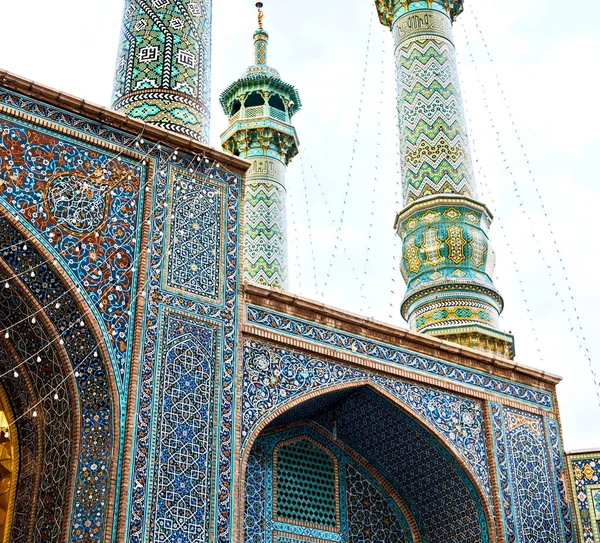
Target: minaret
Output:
[(163, 68), (448, 261), (260, 107)]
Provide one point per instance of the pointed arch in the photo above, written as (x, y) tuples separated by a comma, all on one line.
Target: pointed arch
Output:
[(406, 410), (74, 362)]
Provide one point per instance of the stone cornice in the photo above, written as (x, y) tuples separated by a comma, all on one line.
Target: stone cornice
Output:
[(118, 120), (371, 329)]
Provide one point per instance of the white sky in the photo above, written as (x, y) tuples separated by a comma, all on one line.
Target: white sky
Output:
[(545, 58)]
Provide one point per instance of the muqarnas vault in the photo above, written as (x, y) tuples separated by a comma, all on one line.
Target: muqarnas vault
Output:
[(158, 382)]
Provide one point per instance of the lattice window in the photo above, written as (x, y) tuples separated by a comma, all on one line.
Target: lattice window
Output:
[(306, 484)]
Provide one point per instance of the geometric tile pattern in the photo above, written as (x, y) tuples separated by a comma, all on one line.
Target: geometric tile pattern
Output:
[(305, 484), (383, 352), (195, 226), (560, 477), (185, 414), (370, 516), (363, 512), (527, 479), (441, 497), (163, 67), (265, 234), (274, 376), (256, 495), (584, 475)]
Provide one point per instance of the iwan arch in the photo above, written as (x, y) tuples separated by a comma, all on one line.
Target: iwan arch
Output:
[(158, 383)]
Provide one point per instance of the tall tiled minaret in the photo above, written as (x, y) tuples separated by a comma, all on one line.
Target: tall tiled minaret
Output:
[(448, 261), (163, 68), (260, 107)]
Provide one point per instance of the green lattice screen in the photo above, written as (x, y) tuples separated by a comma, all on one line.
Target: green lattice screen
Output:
[(306, 484)]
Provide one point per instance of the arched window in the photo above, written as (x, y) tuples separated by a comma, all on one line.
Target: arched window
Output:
[(255, 99), (276, 102), (306, 483)]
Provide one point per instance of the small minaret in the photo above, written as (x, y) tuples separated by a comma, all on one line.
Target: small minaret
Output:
[(163, 68), (260, 107), (448, 261)]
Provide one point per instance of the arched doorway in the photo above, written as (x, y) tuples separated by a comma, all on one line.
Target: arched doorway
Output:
[(9, 465), (60, 390), (422, 489)]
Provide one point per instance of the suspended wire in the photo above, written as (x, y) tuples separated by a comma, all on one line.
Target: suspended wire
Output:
[(375, 182), (309, 227), (325, 201), (523, 208), (484, 184), (338, 234), (297, 272), (565, 276)]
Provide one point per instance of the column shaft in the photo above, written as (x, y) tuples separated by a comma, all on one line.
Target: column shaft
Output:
[(265, 223), (163, 68)]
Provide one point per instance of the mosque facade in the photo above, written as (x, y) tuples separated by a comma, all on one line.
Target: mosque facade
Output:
[(159, 384)]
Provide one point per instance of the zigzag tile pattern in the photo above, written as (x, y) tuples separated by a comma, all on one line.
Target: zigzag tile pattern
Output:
[(433, 131), (265, 247), (163, 67)]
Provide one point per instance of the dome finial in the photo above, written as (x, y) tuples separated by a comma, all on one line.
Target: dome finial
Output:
[(259, 5)]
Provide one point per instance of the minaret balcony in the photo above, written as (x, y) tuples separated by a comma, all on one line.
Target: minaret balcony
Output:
[(256, 112)]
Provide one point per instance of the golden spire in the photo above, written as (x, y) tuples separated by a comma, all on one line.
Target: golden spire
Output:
[(259, 5)]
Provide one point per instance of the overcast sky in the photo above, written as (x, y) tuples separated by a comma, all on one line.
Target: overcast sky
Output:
[(542, 74)]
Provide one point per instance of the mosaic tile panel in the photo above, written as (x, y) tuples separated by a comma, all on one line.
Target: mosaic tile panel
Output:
[(526, 479), (506, 493), (367, 513), (560, 476), (196, 221), (184, 416), (255, 523), (220, 468), (273, 377), (584, 476), (315, 333), (163, 67), (83, 203), (370, 516)]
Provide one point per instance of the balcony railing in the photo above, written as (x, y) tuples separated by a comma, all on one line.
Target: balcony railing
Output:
[(255, 112)]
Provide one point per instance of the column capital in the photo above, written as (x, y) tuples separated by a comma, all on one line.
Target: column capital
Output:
[(390, 10)]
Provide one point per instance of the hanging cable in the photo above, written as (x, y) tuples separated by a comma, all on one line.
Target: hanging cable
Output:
[(309, 227), (375, 184), (523, 208), (565, 276), (338, 234)]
